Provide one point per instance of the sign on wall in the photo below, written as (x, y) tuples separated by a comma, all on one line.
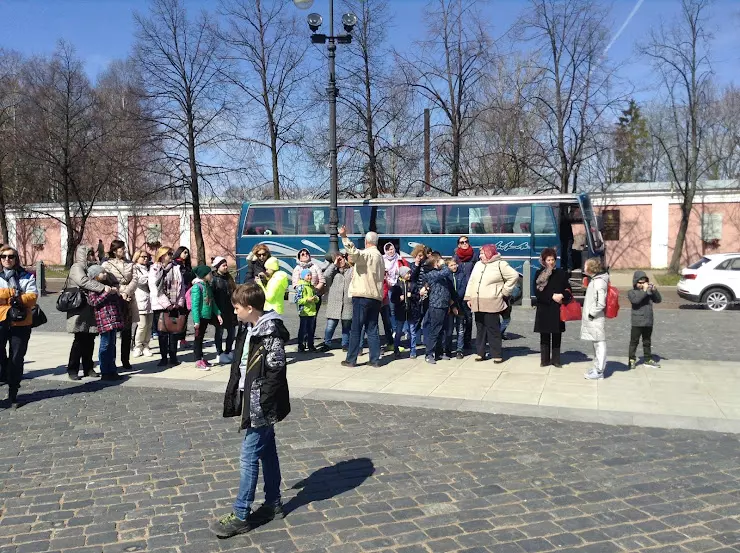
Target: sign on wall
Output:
[(610, 219)]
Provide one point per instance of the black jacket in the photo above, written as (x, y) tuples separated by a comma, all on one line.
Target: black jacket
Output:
[(642, 302), (222, 290), (441, 287), (547, 319), (406, 309), (254, 267), (265, 378)]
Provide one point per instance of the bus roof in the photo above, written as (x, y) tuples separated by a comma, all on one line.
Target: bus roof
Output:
[(538, 198)]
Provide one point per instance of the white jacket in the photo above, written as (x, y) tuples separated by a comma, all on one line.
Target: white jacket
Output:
[(141, 277), (593, 323)]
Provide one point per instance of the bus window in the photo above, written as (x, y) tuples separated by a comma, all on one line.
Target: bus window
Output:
[(358, 219), (268, 221), (544, 220), (591, 223), (418, 219), (380, 219), (313, 221), (456, 219)]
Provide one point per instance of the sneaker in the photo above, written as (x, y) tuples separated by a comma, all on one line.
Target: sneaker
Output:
[(633, 363), (652, 363), (229, 526), (267, 512), (223, 359), (460, 355), (347, 364), (230, 357), (110, 377), (146, 352), (413, 355), (323, 348), (301, 348), (389, 346), (430, 359), (593, 374), (312, 349), (162, 363), (445, 357), (137, 353), (183, 344), (345, 348), (401, 349), (397, 355), (202, 365)]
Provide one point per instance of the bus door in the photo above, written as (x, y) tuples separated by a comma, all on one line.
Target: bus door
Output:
[(594, 243), (544, 232)]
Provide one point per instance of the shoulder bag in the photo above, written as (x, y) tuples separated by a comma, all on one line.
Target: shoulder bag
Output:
[(70, 298)]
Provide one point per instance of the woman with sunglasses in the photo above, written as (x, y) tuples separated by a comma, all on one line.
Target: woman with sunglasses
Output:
[(256, 262), (122, 270), (466, 258), (143, 304), (167, 296), (15, 283)]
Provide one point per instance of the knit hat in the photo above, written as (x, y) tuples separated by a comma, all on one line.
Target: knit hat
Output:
[(306, 274), (161, 252), (403, 271), (202, 271), (298, 255), (217, 262), (489, 250), (94, 270), (272, 264)]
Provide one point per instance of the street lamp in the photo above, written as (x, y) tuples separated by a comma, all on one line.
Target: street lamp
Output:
[(349, 20)]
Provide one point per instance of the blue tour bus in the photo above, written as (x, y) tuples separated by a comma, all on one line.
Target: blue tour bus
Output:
[(520, 226)]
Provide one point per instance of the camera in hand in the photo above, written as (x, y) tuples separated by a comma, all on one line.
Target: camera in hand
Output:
[(17, 311)]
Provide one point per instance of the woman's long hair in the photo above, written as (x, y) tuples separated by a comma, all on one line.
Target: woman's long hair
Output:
[(187, 263), (114, 245)]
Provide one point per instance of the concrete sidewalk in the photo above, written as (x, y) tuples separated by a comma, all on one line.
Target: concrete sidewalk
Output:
[(681, 394)]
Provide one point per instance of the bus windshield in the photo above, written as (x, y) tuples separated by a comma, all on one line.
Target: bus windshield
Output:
[(591, 223)]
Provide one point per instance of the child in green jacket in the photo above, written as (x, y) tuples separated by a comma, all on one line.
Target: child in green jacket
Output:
[(307, 301), (204, 310)]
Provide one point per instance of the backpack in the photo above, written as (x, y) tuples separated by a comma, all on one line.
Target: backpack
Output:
[(189, 297), (612, 302)]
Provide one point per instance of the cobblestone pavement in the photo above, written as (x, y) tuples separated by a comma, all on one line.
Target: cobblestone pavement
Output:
[(134, 469), (679, 333)]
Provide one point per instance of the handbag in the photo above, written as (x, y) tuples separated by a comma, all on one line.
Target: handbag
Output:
[(70, 299), (571, 311), (516, 292), (17, 312), (38, 317), (172, 322)]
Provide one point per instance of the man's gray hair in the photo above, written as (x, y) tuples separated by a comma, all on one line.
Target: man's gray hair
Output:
[(371, 238)]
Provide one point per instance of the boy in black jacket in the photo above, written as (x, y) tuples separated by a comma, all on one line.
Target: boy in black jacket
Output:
[(438, 281), (407, 307), (258, 392), (642, 297)]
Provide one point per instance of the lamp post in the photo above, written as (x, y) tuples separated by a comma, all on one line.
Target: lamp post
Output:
[(349, 20)]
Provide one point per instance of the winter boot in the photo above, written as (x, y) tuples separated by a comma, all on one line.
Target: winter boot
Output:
[(556, 358), (544, 355)]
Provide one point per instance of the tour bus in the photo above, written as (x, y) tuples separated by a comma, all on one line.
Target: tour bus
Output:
[(520, 226)]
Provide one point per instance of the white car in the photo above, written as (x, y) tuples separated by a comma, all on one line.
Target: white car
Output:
[(714, 280)]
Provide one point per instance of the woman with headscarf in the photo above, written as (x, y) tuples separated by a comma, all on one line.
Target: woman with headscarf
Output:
[(167, 297), (317, 275), (18, 295), (552, 291), (393, 262), (490, 285)]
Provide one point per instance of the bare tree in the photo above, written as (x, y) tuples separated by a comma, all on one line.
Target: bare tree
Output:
[(264, 39), (182, 72), (10, 98), (60, 138), (570, 43), (681, 58), (449, 71)]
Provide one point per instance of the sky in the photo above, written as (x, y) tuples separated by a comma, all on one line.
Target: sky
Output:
[(103, 30)]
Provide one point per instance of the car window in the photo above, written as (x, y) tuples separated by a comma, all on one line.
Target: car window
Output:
[(724, 266), (735, 264), (703, 261)]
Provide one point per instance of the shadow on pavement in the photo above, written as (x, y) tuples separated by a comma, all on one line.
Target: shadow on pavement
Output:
[(329, 482), (90, 385), (574, 357), (517, 351), (613, 367)]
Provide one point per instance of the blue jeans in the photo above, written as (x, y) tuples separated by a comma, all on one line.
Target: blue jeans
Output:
[(258, 445), (306, 331), (434, 330), (107, 352), (365, 313), (505, 325), (399, 333), (455, 323), (331, 326)]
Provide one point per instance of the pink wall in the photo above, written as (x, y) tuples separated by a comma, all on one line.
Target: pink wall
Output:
[(100, 228), (50, 252), (219, 236), (138, 224), (694, 248), (633, 250)]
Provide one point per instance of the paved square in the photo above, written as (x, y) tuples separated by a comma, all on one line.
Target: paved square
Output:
[(90, 468)]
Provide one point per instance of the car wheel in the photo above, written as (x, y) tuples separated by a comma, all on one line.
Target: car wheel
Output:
[(717, 299)]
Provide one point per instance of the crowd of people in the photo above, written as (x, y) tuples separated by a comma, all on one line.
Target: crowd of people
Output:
[(431, 301)]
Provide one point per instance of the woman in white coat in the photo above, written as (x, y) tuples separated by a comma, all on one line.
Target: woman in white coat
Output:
[(143, 304), (593, 322)]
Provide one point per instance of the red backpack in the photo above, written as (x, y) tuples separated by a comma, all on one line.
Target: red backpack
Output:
[(612, 302)]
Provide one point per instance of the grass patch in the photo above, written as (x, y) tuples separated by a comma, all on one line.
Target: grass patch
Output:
[(56, 271), (667, 279)]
